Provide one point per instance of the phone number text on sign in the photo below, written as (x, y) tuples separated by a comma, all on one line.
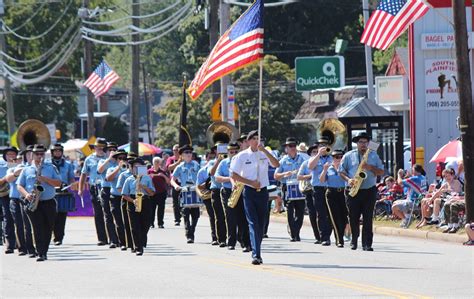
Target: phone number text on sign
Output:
[(439, 105)]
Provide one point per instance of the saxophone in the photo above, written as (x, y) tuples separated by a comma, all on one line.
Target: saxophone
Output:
[(235, 195), (138, 195), (360, 175), (37, 190)]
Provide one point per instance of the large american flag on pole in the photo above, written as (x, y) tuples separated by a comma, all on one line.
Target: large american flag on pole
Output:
[(101, 79), (238, 47), (390, 20)]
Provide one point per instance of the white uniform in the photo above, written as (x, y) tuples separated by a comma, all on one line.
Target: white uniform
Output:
[(252, 166)]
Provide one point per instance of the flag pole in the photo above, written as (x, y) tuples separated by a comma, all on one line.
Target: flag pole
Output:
[(260, 95)]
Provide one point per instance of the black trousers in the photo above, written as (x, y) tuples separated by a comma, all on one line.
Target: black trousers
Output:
[(158, 200), (140, 223), (108, 218), (59, 226), (219, 215), (116, 210), (1, 227), (266, 218), (98, 215), (319, 201), (362, 204), (176, 205), (15, 209), (312, 214), (8, 225), (337, 208), (43, 223), (126, 224), (294, 214), (191, 217), (237, 225), (212, 219)]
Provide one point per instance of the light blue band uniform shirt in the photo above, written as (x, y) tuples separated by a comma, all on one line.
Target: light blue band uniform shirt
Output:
[(290, 164), (110, 164), (202, 175), (66, 171), (350, 163), (333, 178), (113, 184), (90, 168), (27, 179), (14, 193), (223, 170), (214, 184), (129, 187), (122, 178), (186, 173), (318, 169)]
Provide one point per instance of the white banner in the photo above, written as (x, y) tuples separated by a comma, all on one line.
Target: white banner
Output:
[(441, 84)]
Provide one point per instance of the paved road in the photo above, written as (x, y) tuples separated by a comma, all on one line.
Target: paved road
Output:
[(399, 267)]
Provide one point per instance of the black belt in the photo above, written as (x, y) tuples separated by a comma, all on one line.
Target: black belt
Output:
[(261, 189), (336, 189), (319, 187)]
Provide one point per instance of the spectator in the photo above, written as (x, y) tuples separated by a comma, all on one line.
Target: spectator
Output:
[(161, 181), (470, 234), (454, 205), (388, 194), (426, 210), (416, 185), (449, 185)]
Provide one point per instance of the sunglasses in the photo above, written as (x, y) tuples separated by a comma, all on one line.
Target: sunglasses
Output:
[(233, 151), (337, 157), (122, 158), (39, 154), (291, 145), (112, 149), (362, 142)]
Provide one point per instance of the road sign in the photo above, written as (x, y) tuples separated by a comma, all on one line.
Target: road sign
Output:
[(216, 110), (319, 72)]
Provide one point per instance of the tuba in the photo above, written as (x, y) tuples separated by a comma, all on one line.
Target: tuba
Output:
[(221, 132), (335, 131), (33, 131)]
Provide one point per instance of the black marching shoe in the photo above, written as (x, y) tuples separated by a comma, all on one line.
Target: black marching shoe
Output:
[(101, 243), (298, 239), (123, 248), (9, 251), (260, 260), (367, 248), (177, 223), (222, 245), (58, 243), (255, 262), (265, 236), (139, 252), (247, 249), (292, 239), (41, 258), (326, 243), (231, 247), (32, 255), (190, 241), (353, 246), (317, 242), (214, 243), (340, 245), (22, 253), (161, 226), (113, 246)]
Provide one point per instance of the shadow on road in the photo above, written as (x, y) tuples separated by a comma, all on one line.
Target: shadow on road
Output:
[(320, 266)]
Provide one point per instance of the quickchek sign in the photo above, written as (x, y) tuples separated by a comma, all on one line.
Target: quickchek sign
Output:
[(319, 72)]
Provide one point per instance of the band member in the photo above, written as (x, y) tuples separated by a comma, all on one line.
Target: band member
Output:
[(171, 165), (161, 181), (315, 164), (237, 226), (43, 174), (66, 171), (250, 167), (216, 201), (204, 182), (139, 219), (90, 168), (304, 174), (335, 199), (124, 204), (243, 143), (287, 173), (186, 174), (364, 202), (112, 177), (8, 225), (104, 164)]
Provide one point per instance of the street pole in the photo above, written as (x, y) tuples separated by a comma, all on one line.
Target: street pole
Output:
[(224, 12), (7, 93), (368, 56), (465, 102), (213, 38), (135, 100), (87, 72), (147, 106)]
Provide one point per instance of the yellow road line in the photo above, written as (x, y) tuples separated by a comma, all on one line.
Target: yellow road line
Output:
[(322, 279)]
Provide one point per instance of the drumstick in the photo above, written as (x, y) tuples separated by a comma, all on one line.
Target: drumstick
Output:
[(82, 201)]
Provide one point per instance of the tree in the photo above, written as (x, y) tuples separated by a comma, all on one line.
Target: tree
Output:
[(115, 130)]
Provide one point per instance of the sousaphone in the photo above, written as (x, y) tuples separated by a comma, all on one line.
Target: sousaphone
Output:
[(33, 131)]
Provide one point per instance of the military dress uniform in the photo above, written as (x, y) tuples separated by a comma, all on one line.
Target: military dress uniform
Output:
[(237, 225), (295, 208), (90, 168), (203, 177), (105, 201), (43, 218), (219, 215), (186, 173), (66, 171), (123, 207), (254, 166), (364, 202), (139, 221)]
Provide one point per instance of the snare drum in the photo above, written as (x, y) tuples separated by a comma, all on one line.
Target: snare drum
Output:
[(189, 198), (65, 202), (293, 191)]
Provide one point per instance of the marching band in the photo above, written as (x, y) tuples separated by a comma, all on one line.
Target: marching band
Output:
[(233, 184)]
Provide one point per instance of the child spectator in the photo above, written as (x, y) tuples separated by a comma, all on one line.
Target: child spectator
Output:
[(470, 234), (388, 194)]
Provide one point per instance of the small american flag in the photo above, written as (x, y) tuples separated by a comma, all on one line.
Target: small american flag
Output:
[(238, 47), (101, 79), (390, 20)]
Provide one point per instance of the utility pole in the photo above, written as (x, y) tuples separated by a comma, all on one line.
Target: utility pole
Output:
[(224, 13), (147, 106), (465, 102), (7, 93), (135, 101), (213, 38), (87, 72), (368, 56)]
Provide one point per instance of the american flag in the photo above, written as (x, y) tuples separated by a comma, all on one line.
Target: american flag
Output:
[(390, 20), (101, 79), (238, 47)]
